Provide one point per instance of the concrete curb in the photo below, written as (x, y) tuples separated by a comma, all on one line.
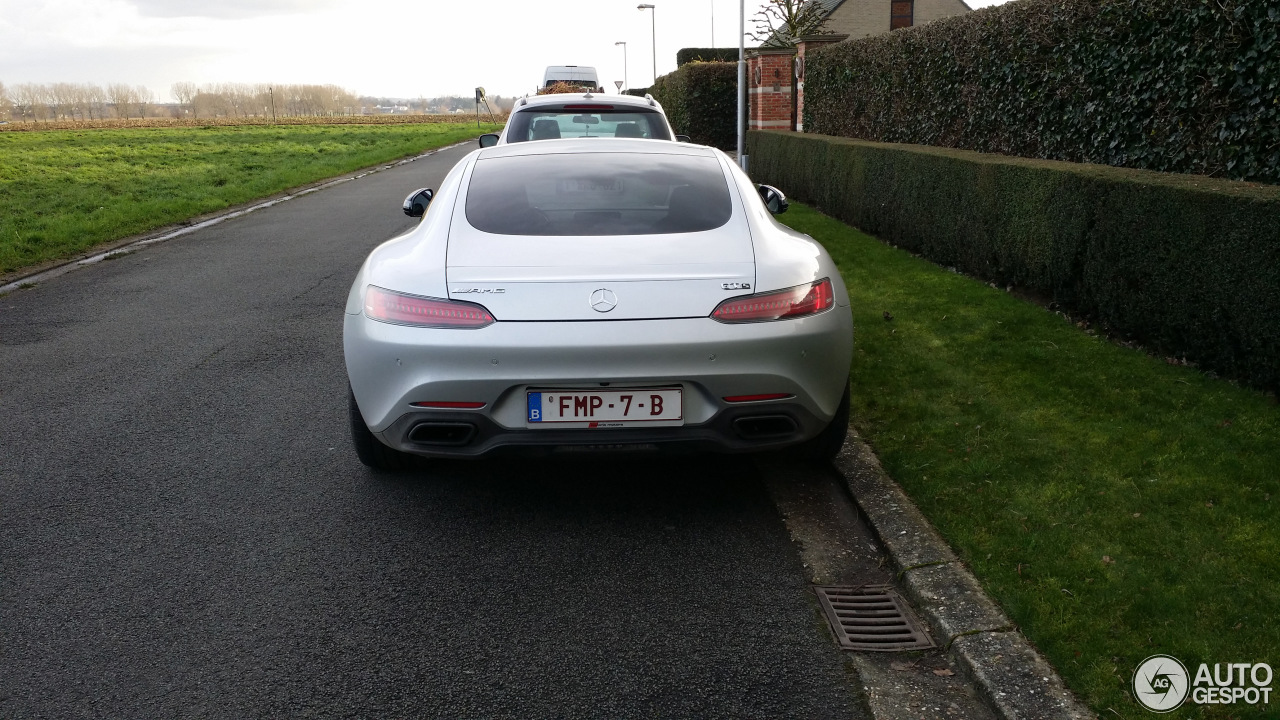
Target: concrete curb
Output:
[(134, 243), (1012, 677)]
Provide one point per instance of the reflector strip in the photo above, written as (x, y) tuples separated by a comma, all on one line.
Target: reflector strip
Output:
[(756, 398), (391, 307), (449, 405), (790, 303)]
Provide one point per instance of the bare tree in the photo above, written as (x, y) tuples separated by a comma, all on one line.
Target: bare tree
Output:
[(226, 94), (209, 104), (62, 98), (185, 93), (262, 98), (780, 22), (121, 96), (142, 99), (95, 100), (29, 101), (86, 101), (81, 101), (243, 95)]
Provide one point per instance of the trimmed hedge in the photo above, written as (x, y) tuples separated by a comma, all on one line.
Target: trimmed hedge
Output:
[(1190, 86), (688, 55), (700, 100), (1189, 266)]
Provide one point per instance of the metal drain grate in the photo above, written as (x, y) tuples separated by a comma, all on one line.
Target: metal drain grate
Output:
[(872, 617)]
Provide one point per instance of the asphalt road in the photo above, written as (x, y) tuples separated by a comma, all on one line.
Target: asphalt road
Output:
[(185, 529)]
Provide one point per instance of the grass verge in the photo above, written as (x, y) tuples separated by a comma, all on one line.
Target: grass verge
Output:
[(63, 192), (1115, 505)]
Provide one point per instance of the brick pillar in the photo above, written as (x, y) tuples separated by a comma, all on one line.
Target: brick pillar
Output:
[(769, 85), (803, 45)]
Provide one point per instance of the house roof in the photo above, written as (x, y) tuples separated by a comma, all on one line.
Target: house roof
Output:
[(828, 6)]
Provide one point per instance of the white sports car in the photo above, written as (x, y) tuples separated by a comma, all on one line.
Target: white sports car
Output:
[(599, 295)]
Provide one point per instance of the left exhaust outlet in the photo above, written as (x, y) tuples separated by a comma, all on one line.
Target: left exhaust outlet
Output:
[(442, 433)]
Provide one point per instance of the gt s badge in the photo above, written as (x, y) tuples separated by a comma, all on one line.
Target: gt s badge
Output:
[(736, 286), (491, 291)]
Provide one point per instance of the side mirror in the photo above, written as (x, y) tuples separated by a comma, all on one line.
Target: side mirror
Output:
[(416, 204), (773, 199), (683, 138), (488, 140)]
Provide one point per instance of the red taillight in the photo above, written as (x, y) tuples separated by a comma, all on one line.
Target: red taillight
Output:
[(790, 303), (400, 309), (755, 398), (448, 405)]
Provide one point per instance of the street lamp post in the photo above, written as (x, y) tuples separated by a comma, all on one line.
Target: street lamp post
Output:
[(654, 35), (626, 83), (742, 82)]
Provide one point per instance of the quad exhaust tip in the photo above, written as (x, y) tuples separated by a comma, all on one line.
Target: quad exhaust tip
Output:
[(442, 433), (765, 427)]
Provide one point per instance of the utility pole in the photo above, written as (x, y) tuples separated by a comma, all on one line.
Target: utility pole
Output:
[(272, 92), (742, 82)]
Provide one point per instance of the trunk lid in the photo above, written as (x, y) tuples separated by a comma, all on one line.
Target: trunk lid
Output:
[(619, 277)]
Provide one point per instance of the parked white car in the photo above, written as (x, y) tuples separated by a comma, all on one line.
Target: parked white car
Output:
[(555, 117), (601, 294)]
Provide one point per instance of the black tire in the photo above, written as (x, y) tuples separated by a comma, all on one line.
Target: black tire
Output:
[(370, 449), (826, 445)]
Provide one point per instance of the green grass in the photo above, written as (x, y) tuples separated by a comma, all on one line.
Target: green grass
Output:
[(1115, 505), (63, 192)]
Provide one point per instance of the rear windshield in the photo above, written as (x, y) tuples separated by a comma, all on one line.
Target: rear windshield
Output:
[(597, 194), (553, 123)]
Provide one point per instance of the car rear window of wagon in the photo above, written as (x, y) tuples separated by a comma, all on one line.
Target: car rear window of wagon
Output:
[(597, 194), (586, 121)]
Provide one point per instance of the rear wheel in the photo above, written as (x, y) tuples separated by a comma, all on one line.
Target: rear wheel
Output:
[(827, 444), (369, 449)]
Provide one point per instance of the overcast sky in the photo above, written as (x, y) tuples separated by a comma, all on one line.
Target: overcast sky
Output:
[(391, 48)]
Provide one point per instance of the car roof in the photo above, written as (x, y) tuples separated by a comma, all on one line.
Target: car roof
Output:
[(601, 98), (596, 145)]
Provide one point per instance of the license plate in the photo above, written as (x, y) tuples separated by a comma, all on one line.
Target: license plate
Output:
[(606, 408)]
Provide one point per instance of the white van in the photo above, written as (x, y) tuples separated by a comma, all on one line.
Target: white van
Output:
[(580, 75)]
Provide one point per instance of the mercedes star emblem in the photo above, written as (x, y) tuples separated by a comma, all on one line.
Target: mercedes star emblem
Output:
[(603, 300)]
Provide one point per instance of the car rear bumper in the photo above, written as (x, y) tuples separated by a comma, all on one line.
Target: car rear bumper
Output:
[(392, 366), (739, 429)]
